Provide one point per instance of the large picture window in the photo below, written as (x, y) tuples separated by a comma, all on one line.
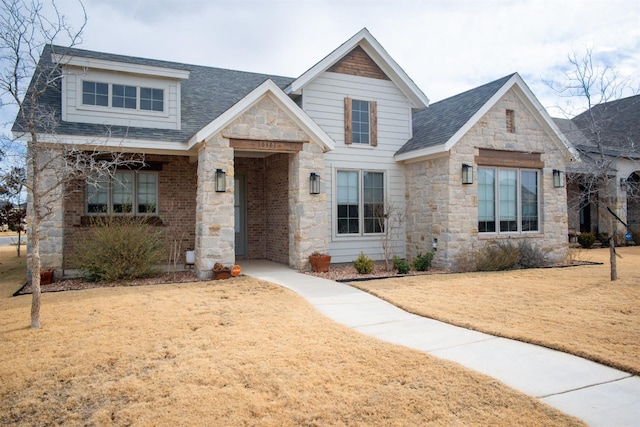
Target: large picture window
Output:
[(508, 200), (360, 202), (127, 192)]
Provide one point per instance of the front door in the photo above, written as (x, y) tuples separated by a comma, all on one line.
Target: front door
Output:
[(240, 212)]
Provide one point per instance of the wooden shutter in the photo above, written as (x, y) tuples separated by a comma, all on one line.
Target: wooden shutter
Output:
[(347, 121), (373, 123)]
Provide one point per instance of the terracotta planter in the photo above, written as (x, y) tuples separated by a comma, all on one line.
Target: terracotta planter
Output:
[(225, 273), (320, 263), (46, 277)]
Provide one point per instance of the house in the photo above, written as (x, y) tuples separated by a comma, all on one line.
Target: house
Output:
[(607, 138), (254, 166)]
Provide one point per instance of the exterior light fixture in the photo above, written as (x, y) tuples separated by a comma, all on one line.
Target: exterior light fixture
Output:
[(558, 178), (221, 181), (467, 174), (314, 183)]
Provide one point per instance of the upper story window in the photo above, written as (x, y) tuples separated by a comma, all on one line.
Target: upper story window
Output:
[(122, 96), (508, 200), (94, 93), (127, 192), (360, 119)]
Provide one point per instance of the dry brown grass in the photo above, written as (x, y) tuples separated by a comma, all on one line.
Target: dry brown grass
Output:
[(577, 309), (237, 352)]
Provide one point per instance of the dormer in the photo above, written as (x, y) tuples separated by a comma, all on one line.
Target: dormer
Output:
[(107, 92)]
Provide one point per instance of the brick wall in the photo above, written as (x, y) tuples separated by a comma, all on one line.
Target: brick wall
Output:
[(176, 207), (253, 170), (277, 208)]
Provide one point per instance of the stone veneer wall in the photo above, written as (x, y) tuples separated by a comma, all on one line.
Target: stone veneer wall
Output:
[(450, 209), (51, 238), (307, 212), (215, 236), (176, 207)]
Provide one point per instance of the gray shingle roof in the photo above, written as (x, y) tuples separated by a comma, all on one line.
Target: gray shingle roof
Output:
[(207, 93), (436, 124), (618, 123)]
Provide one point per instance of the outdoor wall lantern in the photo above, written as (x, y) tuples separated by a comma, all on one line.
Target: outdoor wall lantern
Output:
[(314, 183), (467, 174), (221, 181), (558, 178)]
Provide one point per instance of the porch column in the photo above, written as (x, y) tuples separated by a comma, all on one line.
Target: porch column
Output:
[(215, 235), (51, 230), (307, 212)]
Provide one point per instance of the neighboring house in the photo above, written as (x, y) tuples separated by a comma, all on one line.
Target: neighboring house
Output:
[(235, 159), (607, 138)]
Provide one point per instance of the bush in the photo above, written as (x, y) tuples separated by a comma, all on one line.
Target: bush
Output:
[(423, 262), (586, 240), (363, 264), (603, 238), (498, 257), (531, 256), (118, 248), (401, 265)]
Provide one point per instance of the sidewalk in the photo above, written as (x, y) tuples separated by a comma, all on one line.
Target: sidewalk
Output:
[(599, 395)]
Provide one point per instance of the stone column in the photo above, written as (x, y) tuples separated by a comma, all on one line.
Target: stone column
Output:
[(215, 234), (307, 212), (51, 204)]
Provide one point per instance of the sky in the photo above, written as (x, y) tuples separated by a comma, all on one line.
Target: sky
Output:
[(445, 46)]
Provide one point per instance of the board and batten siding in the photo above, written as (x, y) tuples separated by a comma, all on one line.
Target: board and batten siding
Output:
[(74, 111), (323, 101)]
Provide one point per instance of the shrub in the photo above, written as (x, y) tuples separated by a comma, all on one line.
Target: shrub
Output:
[(498, 257), (586, 240), (423, 262), (531, 256), (118, 248), (363, 264), (603, 238), (401, 265)]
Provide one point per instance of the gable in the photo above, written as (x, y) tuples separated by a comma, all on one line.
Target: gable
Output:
[(376, 54), (441, 126), (358, 63)]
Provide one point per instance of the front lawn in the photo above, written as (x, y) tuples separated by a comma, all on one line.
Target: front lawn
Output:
[(575, 309), (235, 352)]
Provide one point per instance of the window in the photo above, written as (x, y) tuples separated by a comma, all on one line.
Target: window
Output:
[(360, 121), (127, 192), (122, 96), (151, 99), (508, 200), (511, 121), (360, 202), (94, 93)]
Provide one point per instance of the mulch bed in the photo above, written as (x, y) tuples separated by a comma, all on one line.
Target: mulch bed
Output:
[(80, 283)]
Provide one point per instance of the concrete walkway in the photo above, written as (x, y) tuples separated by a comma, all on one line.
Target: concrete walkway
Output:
[(599, 395)]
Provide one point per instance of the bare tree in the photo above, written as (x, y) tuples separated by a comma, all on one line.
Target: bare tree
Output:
[(600, 142), (13, 213), (31, 73), (390, 219)]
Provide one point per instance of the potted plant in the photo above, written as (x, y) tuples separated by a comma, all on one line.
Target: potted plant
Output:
[(221, 272), (319, 262), (46, 276)]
